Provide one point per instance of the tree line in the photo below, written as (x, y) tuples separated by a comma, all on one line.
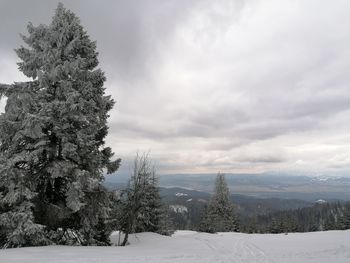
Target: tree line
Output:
[(319, 217), (52, 147)]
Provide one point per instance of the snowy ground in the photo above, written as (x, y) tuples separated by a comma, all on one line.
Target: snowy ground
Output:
[(187, 246)]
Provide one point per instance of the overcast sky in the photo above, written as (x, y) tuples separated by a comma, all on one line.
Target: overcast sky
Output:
[(237, 86)]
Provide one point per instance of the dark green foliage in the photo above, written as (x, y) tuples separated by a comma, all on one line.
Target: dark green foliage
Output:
[(52, 135), (282, 224), (219, 216), (165, 226), (320, 217), (344, 221), (150, 213)]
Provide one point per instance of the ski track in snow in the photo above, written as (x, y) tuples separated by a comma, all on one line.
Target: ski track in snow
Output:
[(193, 247), (241, 251)]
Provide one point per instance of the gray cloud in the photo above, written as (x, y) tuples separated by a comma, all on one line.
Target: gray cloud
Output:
[(127, 32), (205, 85)]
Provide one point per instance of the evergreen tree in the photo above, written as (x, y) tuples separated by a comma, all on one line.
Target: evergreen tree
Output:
[(151, 211), (52, 134), (345, 218), (219, 216)]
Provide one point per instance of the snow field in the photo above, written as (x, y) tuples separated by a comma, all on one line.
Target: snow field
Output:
[(191, 247)]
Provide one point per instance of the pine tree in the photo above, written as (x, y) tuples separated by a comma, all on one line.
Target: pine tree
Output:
[(52, 153), (219, 216), (150, 214), (345, 218)]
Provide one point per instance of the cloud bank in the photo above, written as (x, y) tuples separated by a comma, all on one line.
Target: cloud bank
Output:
[(235, 86)]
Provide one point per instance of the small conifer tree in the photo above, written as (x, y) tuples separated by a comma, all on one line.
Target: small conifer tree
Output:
[(219, 215), (345, 218)]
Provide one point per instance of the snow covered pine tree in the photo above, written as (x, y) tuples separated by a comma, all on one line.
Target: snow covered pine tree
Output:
[(52, 134), (220, 216)]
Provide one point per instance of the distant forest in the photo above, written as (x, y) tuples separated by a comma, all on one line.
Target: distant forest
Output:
[(319, 217)]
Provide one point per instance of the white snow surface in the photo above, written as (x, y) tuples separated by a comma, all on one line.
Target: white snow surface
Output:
[(188, 247), (181, 194), (179, 208)]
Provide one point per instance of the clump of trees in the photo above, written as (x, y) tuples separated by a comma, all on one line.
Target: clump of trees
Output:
[(219, 215), (52, 153), (319, 217)]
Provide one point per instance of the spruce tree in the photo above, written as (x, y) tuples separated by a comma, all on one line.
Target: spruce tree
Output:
[(345, 218), (219, 216), (52, 154), (151, 211)]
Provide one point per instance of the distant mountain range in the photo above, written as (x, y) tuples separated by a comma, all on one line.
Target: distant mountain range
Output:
[(257, 185), (245, 205)]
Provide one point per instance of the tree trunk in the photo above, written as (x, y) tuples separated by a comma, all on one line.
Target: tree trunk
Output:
[(125, 238)]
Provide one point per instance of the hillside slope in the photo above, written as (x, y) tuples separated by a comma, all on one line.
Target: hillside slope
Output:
[(187, 246)]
